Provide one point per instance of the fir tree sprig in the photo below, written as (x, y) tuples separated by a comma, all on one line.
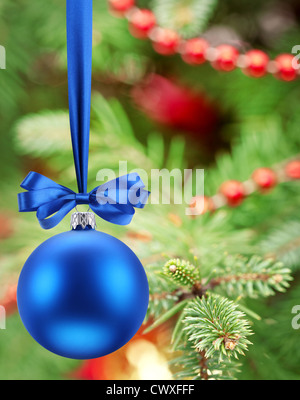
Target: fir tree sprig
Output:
[(215, 325), (182, 272), (192, 364), (252, 277)]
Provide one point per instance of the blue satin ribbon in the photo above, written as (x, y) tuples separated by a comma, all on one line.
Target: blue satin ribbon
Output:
[(79, 51), (113, 201)]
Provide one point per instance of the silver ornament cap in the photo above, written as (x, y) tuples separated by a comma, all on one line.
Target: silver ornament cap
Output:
[(83, 219)]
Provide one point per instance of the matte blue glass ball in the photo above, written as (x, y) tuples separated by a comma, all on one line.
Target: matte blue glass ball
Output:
[(82, 294)]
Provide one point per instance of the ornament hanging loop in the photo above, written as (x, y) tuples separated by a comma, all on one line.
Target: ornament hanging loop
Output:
[(82, 211)]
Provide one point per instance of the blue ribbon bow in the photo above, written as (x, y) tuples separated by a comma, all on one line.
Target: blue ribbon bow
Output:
[(113, 201)]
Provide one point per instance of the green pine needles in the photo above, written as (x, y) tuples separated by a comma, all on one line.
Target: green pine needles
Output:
[(182, 272), (212, 329), (254, 277), (214, 324)]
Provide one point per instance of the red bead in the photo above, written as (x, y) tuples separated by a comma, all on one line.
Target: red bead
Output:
[(193, 51), (141, 22), (165, 41), (121, 6), (292, 169), (265, 178), (233, 191), (256, 63), (201, 205), (226, 58), (286, 71)]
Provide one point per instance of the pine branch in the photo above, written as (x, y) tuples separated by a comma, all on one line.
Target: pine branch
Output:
[(163, 294), (43, 134), (236, 276), (215, 325), (250, 277), (193, 364), (284, 243)]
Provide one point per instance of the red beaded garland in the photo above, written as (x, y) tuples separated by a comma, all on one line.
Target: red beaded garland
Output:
[(233, 191), (141, 21), (292, 169), (121, 6), (286, 71), (193, 51), (265, 178), (256, 63), (165, 41), (226, 57)]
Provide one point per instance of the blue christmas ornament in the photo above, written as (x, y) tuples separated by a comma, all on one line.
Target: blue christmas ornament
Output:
[(82, 294)]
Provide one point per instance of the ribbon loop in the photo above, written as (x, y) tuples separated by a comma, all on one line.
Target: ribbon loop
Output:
[(111, 201)]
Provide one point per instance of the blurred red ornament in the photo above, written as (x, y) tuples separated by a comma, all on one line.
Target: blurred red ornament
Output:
[(265, 178), (286, 71), (233, 191), (9, 301), (6, 226), (141, 21), (116, 365), (257, 62), (202, 205), (193, 51), (165, 41), (292, 169), (121, 6), (143, 236), (226, 57), (176, 106), (95, 369)]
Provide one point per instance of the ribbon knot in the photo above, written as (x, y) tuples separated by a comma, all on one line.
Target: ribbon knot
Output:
[(114, 201), (82, 198)]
